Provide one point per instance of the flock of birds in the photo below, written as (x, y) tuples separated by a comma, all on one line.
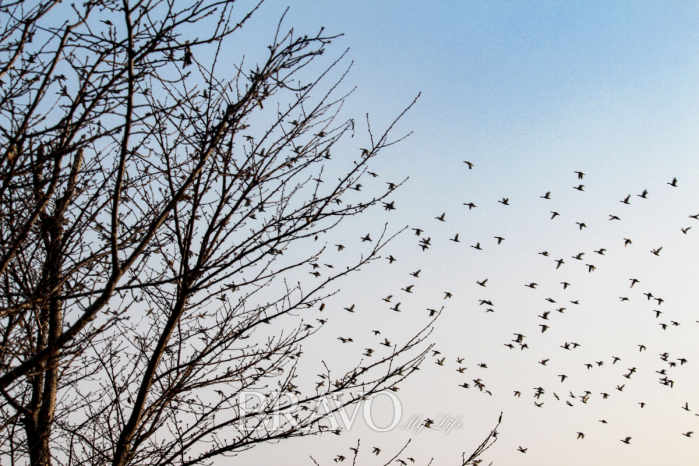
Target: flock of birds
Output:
[(666, 368)]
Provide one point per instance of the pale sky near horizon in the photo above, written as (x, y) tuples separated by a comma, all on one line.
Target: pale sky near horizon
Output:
[(529, 92)]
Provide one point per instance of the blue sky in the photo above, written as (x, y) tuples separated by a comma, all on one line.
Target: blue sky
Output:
[(529, 92)]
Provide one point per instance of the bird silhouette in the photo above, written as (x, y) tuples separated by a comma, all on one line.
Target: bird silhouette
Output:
[(673, 183), (546, 196), (470, 165), (441, 217)]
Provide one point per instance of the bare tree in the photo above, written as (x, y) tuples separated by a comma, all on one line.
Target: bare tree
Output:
[(156, 206)]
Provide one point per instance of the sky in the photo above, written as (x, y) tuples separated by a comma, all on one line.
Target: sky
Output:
[(529, 92)]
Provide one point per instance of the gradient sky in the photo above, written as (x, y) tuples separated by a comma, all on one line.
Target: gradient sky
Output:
[(529, 92)]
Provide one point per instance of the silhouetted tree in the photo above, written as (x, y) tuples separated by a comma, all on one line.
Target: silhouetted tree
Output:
[(156, 206)]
